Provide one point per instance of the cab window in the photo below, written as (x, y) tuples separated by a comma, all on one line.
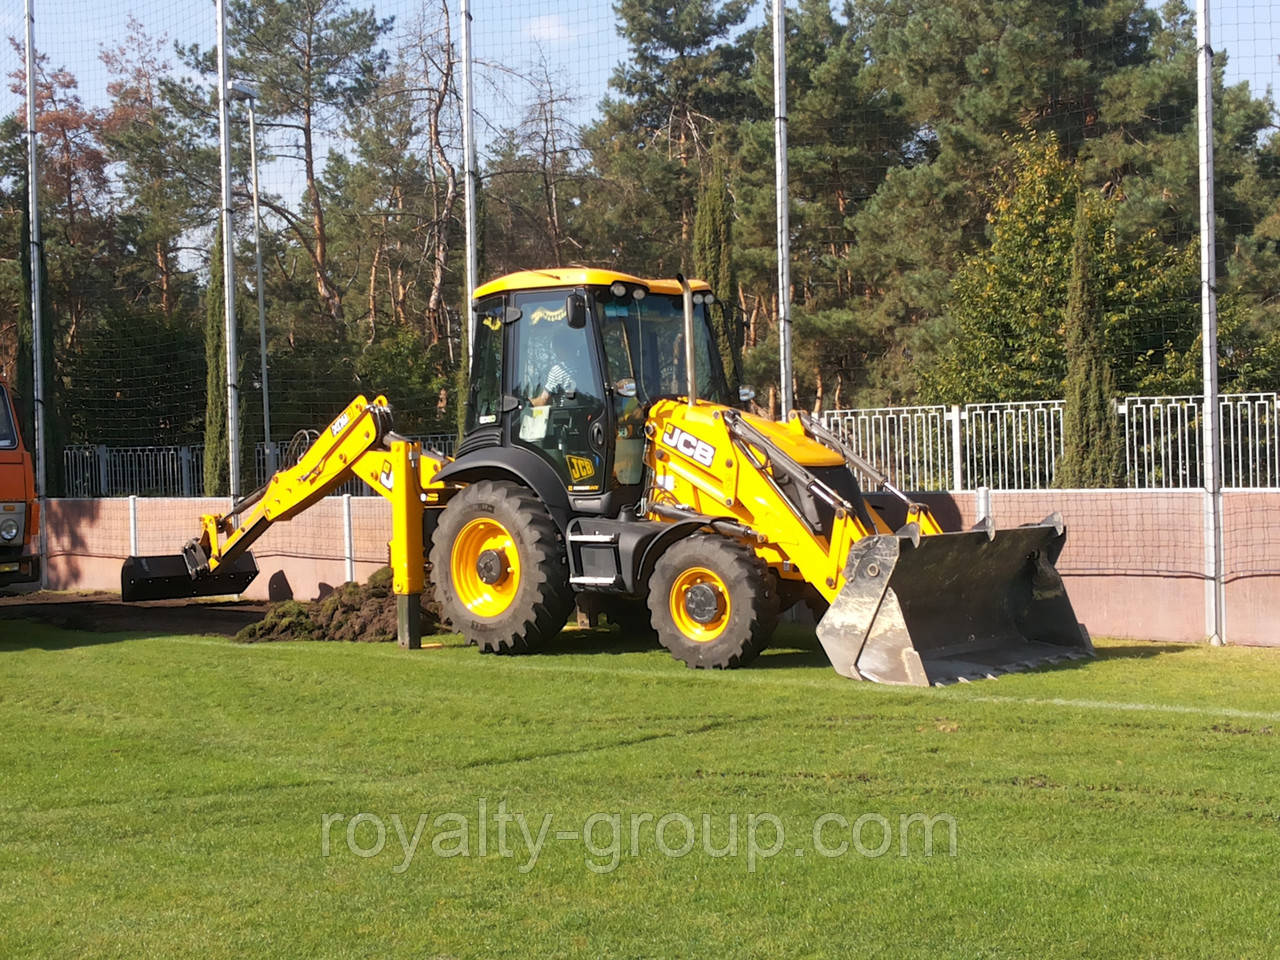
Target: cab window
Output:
[(484, 397)]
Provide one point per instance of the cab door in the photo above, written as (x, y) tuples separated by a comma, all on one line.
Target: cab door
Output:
[(557, 386)]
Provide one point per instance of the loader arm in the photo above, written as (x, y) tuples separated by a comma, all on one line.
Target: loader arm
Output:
[(358, 443), (916, 605)]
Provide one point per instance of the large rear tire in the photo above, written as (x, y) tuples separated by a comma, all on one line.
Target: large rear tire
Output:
[(499, 567), (712, 603)]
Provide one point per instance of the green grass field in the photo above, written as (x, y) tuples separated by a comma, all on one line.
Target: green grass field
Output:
[(167, 796)]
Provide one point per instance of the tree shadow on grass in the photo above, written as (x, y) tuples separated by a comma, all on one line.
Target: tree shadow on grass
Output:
[(90, 621), (28, 635)]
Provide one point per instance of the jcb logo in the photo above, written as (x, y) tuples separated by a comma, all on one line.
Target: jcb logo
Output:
[(580, 468), (686, 443)]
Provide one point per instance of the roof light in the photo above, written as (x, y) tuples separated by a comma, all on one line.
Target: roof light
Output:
[(618, 288)]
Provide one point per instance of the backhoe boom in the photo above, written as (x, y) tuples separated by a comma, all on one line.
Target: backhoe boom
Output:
[(358, 443)]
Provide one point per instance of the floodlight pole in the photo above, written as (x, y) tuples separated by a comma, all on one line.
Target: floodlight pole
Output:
[(1213, 544), (242, 91), (41, 452), (468, 176), (783, 204), (228, 266)]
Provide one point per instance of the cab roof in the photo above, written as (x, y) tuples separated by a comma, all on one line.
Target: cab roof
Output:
[(577, 277)]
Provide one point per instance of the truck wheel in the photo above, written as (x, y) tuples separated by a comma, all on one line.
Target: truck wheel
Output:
[(711, 602), (499, 568)]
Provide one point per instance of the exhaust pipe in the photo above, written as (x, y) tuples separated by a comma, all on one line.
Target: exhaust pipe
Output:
[(691, 377)]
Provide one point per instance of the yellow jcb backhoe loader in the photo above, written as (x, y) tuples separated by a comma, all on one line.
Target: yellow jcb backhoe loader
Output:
[(604, 459)]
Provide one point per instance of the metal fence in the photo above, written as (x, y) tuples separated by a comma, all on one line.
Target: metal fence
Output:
[(1017, 446), (1002, 446), (96, 470), (1012, 446), (915, 445)]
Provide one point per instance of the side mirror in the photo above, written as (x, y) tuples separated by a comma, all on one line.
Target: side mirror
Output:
[(575, 308), (746, 394), (626, 387)]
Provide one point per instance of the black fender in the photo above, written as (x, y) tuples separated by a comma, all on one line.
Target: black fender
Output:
[(516, 464), (658, 546)]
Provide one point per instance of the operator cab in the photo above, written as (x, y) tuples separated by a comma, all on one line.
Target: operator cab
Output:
[(566, 364)]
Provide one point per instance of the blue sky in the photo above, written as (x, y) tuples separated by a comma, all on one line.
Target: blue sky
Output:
[(577, 38)]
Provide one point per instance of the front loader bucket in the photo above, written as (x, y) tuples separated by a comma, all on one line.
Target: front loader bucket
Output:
[(169, 578), (926, 610)]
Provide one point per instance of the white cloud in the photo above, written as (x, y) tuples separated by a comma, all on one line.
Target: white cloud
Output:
[(551, 28)]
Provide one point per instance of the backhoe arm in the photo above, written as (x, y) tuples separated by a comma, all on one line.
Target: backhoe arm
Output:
[(358, 443), (325, 467)]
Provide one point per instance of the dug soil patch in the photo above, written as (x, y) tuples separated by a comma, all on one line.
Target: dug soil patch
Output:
[(355, 612)]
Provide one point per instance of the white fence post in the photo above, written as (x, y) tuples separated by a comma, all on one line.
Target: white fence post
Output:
[(982, 504), (957, 450), (133, 525), (348, 540)]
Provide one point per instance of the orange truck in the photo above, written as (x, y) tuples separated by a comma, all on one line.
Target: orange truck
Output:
[(19, 511)]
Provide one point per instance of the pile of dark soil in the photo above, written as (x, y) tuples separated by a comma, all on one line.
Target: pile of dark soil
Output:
[(355, 612)]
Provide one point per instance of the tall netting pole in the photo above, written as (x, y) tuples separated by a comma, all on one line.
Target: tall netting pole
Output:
[(1213, 546), (468, 175), (268, 447), (37, 265), (783, 217), (228, 266)]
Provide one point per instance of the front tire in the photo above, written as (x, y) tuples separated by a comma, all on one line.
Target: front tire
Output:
[(499, 568), (711, 602)]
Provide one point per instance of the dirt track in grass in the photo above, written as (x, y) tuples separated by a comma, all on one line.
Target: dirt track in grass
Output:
[(353, 612)]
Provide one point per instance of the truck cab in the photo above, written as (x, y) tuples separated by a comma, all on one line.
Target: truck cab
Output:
[(19, 511)]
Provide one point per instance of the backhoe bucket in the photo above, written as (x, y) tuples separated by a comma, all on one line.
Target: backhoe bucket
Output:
[(169, 578), (926, 610)]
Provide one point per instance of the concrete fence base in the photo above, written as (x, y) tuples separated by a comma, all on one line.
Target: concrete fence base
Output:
[(1133, 563)]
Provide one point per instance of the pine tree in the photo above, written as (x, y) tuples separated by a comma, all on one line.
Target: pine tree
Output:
[(678, 90), (1092, 447)]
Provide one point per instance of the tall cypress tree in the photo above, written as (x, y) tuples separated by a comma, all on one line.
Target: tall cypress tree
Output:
[(216, 465), (1092, 448), (713, 254)]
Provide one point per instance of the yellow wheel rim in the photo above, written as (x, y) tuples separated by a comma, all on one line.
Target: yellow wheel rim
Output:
[(684, 621), (485, 538)]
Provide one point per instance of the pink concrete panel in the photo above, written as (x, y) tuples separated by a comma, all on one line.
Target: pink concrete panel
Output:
[(1133, 561), (86, 542), (1251, 561), (371, 522), (1158, 533)]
